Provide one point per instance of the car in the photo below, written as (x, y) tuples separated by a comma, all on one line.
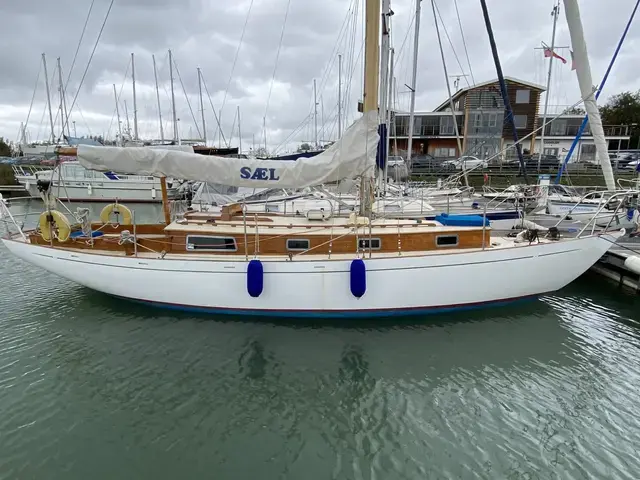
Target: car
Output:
[(423, 163), (397, 168), (465, 163)]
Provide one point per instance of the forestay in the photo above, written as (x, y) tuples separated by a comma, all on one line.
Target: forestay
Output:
[(353, 155)]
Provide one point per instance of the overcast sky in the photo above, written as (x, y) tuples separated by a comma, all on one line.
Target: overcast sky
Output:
[(207, 33)]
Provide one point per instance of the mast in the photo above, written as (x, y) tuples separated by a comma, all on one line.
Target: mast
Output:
[(155, 74), (173, 99), (390, 111), (446, 81), (414, 74), (239, 132), (63, 102), (126, 116), (315, 113), (135, 105), (60, 89), (381, 156), (117, 111), (339, 95), (204, 126), (503, 88), (583, 70), (604, 80), (554, 13), (46, 83), (370, 101)]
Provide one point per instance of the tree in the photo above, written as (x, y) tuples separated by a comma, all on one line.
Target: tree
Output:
[(305, 147), (5, 149), (624, 109)]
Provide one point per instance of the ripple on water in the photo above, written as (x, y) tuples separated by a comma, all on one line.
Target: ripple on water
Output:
[(92, 387)]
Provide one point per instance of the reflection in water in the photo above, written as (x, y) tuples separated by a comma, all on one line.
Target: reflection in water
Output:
[(545, 389)]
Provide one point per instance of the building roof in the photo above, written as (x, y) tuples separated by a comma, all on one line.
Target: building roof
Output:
[(456, 95)]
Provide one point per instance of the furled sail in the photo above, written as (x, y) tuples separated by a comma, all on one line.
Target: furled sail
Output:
[(351, 156), (587, 89)]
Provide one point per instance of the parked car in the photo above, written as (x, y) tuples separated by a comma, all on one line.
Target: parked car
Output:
[(423, 163), (547, 162), (465, 163), (397, 168)]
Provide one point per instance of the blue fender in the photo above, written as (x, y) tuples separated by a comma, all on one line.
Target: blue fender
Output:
[(255, 278), (358, 277)]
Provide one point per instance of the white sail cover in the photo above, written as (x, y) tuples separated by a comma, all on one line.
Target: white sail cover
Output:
[(351, 156), (587, 90)]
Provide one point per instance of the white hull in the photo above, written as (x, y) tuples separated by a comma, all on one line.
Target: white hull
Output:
[(101, 193), (585, 212), (394, 284), (39, 150), (105, 191)]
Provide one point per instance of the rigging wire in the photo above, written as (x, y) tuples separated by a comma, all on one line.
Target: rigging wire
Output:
[(84, 120), (444, 27), (33, 96), (298, 129), (464, 42), (204, 82), (186, 97), (275, 67), (124, 79), (106, 17), (75, 56), (235, 59)]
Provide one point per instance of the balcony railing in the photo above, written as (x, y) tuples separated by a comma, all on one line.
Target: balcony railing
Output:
[(426, 131), (572, 131)]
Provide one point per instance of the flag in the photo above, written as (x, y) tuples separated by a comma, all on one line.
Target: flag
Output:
[(573, 61), (550, 53)]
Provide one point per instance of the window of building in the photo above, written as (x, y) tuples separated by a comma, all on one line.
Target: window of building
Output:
[(520, 121), (447, 240), (558, 127), (363, 243), (198, 242), (297, 244), (493, 119), (551, 151), (446, 126), (522, 96), (477, 120), (444, 152), (588, 151)]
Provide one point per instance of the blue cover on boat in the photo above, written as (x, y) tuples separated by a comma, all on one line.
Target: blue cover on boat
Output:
[(79, 234), (462, 220), (255, 281)]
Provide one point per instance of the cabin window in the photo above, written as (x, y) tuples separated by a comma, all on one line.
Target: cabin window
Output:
[(447, 240), (204, 243), (522, 96), (366, 243), (298, 244), (520, 121)]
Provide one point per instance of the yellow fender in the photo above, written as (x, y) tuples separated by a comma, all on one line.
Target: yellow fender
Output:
[(120, 211), (58, 228)]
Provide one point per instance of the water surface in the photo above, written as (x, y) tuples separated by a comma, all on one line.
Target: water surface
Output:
[(94, 387)]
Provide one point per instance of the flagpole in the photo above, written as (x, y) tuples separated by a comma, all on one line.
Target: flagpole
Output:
[(555, 12)]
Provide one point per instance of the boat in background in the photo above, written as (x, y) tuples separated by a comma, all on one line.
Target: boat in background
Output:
[(72, 182)]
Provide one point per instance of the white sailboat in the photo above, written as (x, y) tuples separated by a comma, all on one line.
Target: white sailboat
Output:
[(234, 262)]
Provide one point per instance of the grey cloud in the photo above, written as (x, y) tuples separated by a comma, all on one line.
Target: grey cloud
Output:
[(205, 33)]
